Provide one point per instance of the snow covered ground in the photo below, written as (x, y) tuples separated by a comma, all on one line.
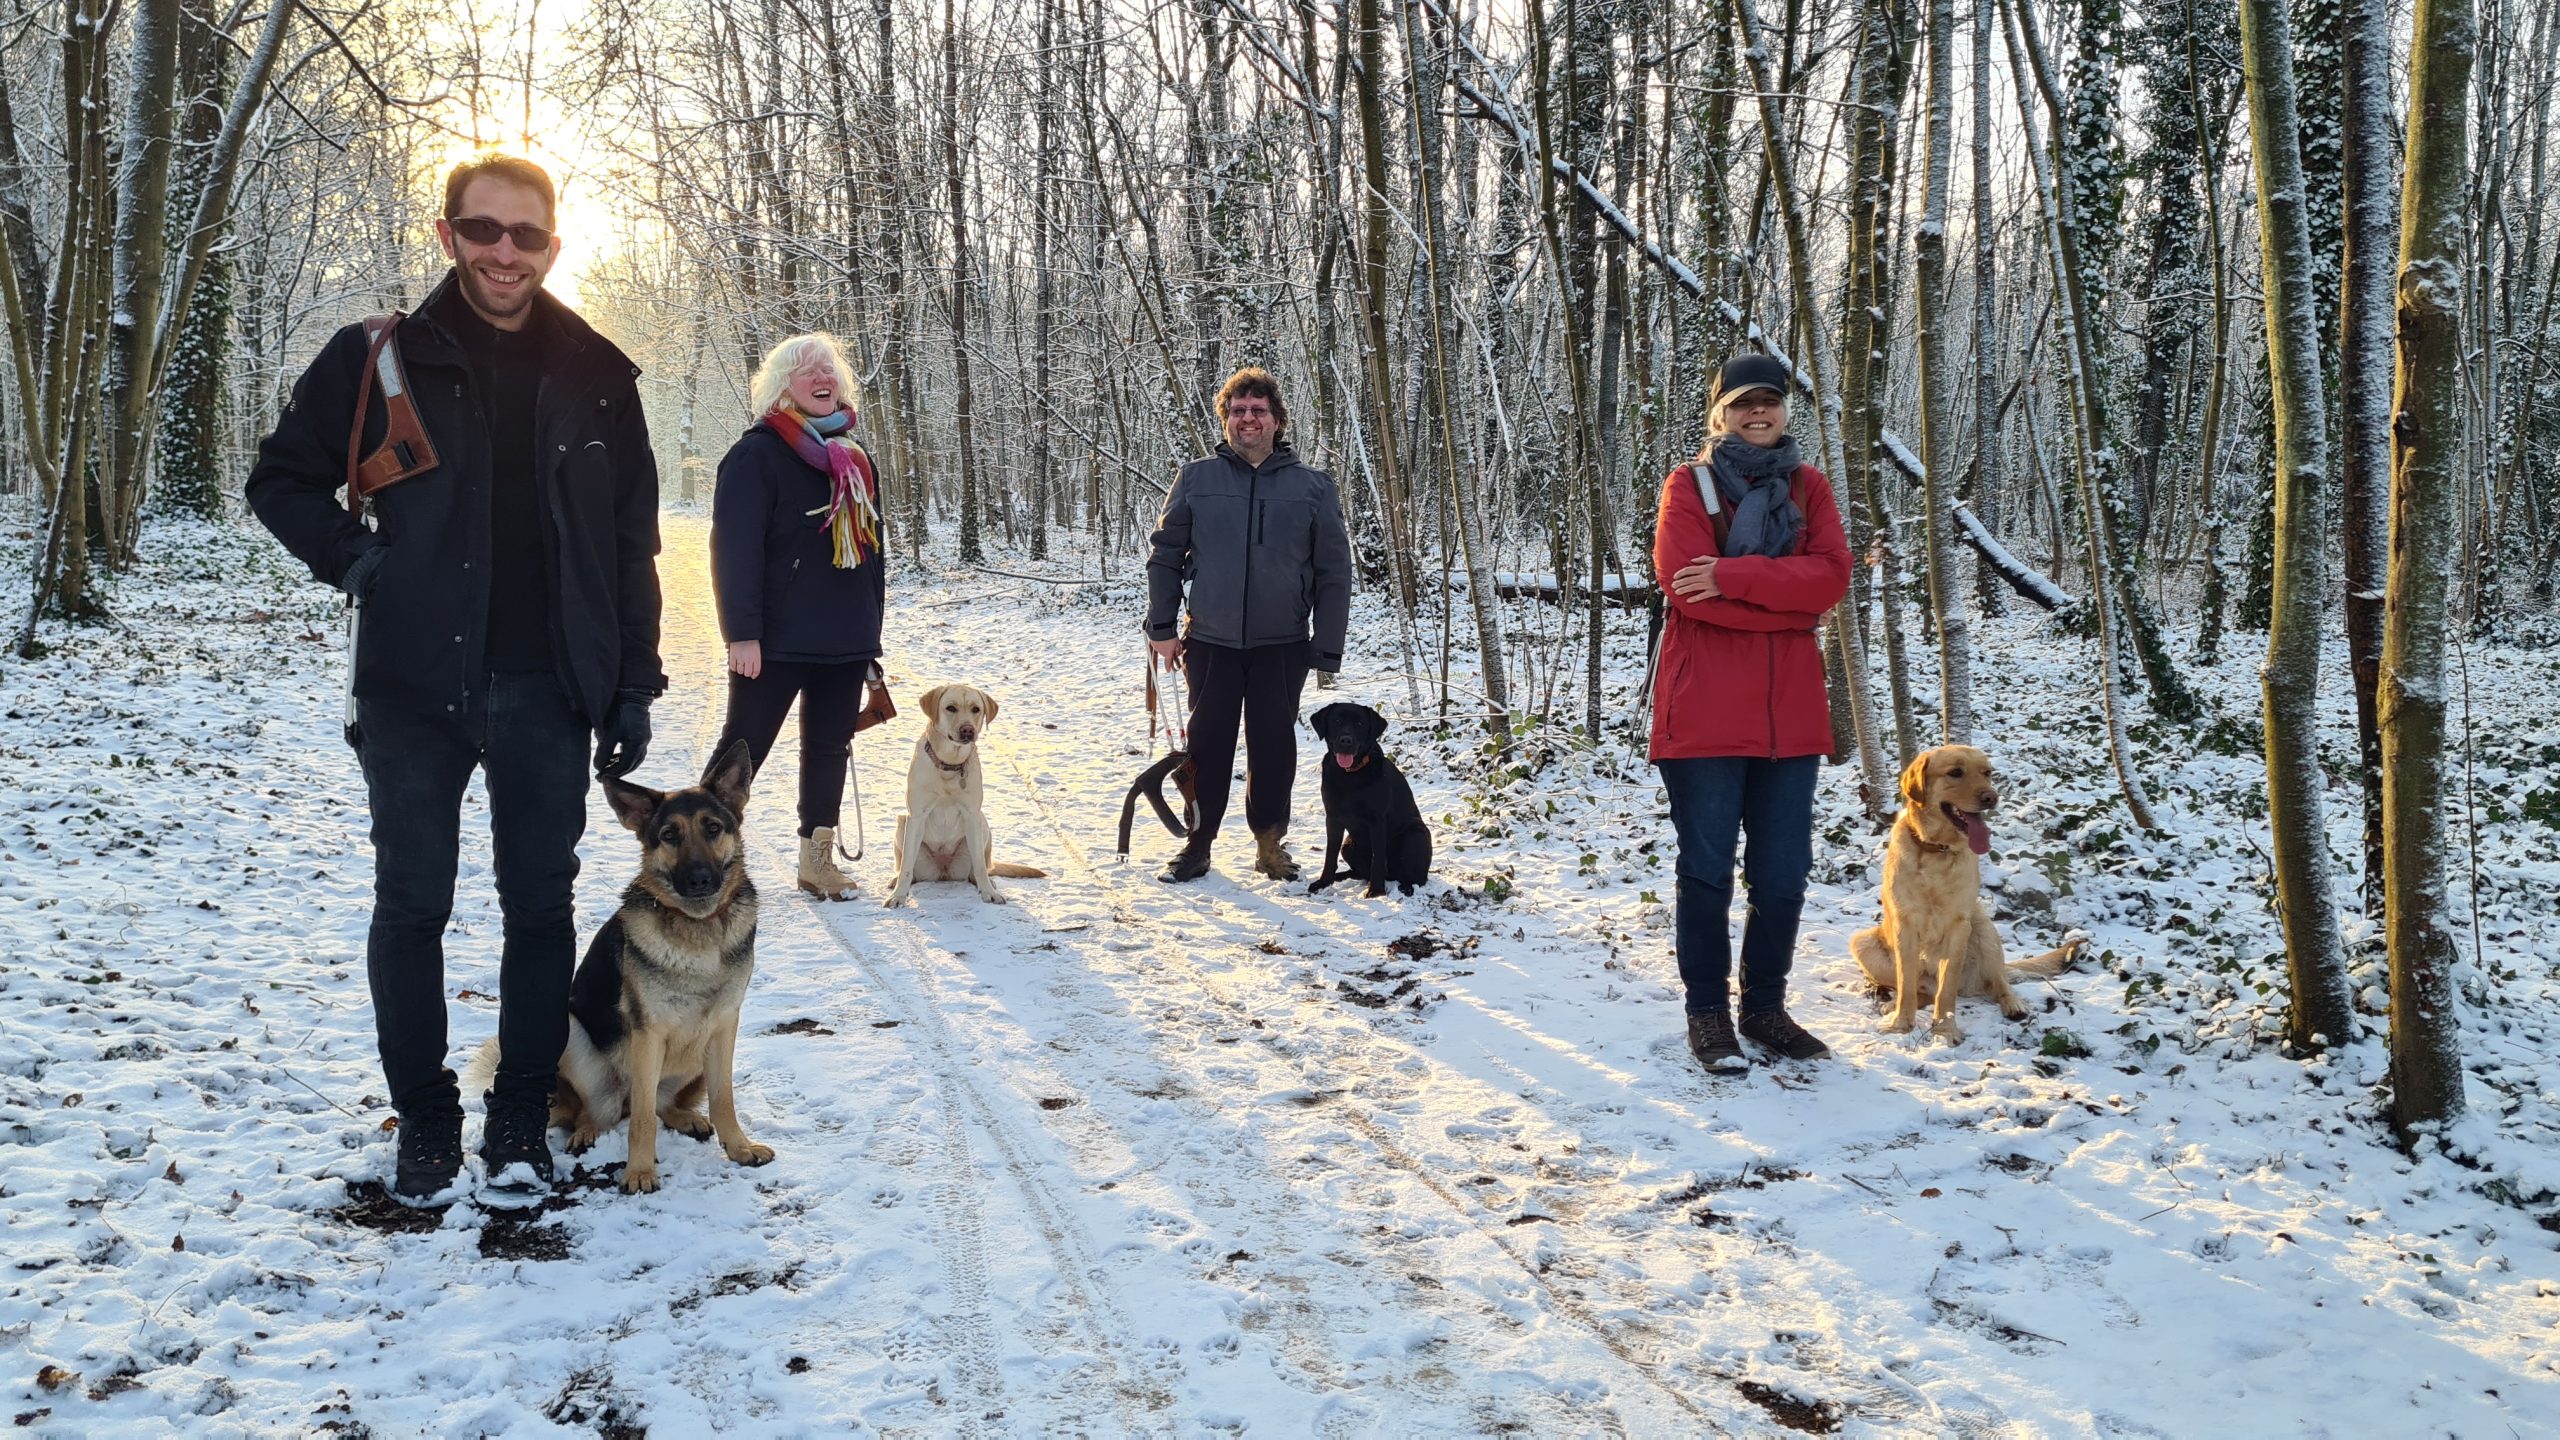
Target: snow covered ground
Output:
[(1125, 1158)]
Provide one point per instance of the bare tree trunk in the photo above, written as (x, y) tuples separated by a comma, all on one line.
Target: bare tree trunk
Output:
[(1397, 499), (2321, 1014), (192, 464), (2364, 389), (1044, 249), (1878, 75), (1586, 458), (1986, 314), (896, 358), (1946, 595), (2209, 139), (2428, 467), (965, 411), (1480, 596), (141, 257), (688, 436)]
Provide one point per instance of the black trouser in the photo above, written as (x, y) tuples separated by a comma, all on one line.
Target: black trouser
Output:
[(532, 751), (1259, 686), (830, 697)]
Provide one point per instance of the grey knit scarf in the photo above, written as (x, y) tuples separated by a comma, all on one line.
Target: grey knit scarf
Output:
[(1752, 483)]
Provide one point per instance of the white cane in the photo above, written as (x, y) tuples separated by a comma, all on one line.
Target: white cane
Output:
[(355, 629), (853, 776)]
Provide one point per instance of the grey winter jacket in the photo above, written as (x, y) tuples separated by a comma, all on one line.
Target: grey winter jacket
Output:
[(1263, 550)]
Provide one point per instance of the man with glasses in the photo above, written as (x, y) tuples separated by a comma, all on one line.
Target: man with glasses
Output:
[(510, 608), (1259, 540)]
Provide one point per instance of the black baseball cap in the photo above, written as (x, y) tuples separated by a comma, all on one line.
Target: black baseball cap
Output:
[(1752, 372)]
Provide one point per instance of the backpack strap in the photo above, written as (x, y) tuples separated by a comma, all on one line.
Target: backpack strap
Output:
[(405, 451)]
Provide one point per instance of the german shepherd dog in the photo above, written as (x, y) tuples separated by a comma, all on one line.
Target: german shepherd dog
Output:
[(653, 1009), (1371, 825)]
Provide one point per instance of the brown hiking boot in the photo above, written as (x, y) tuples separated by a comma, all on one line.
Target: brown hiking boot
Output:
[(1711, 1039), (1271, 858), (1774, 1029)]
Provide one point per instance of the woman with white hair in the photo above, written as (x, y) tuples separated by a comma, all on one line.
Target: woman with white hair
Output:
[(1749, 540), (801, 582)]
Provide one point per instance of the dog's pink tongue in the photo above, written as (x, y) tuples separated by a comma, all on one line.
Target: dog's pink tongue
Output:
[(1977, 835), (1344, 760)]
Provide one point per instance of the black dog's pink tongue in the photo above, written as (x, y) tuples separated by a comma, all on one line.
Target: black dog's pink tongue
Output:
[(1977, 835), (1344, 760)]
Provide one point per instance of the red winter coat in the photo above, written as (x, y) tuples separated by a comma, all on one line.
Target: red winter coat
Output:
[(1741, 673)]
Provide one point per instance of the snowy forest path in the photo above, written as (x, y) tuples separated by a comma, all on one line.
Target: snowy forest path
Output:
[(1094, 1130), (1469, 1222)]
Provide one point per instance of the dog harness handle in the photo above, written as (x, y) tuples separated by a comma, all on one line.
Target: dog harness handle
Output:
[(406, 450), (1163, 710)]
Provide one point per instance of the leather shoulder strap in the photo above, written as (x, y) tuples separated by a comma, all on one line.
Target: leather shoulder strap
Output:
[(406, 450), (377, 334)]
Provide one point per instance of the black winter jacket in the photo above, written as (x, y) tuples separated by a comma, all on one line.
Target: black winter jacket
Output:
[(426, 598), (1263, 550), (773, 563)]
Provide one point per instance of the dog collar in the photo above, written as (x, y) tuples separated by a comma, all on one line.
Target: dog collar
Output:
[(941, 764), (1932, 846)]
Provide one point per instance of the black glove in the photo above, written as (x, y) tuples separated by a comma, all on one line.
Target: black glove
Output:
[(622, 742), (359, 577)]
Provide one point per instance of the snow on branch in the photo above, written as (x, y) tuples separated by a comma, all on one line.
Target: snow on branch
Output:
[(1624, 591), (2021, 576), (1496, 106)]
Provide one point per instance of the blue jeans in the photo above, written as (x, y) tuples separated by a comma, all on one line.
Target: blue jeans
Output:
[(1714, 802), (531, 747)]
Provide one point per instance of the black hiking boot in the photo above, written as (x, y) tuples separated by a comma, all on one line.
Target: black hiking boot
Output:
[(515, 1147), (1775, 1030), (1189, 863), (1711, 1040), (430, 1159)]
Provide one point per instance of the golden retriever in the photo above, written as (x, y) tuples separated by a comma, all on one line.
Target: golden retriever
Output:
[(944, 834), (1937, 941)]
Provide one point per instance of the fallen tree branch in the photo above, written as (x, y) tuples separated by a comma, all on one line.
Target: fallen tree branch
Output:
[(2021, 576)]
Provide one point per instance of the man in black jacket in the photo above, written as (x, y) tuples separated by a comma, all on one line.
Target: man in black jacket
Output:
[(510, 604), (1259, 540)]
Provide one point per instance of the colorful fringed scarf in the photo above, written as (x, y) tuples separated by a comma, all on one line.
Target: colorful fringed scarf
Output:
[(852, 512)]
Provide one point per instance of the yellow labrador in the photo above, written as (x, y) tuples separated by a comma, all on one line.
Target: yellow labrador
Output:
[(944, 834), (1937, 941)]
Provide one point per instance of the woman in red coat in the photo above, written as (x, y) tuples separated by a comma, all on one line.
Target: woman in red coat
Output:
[(1751, 541)]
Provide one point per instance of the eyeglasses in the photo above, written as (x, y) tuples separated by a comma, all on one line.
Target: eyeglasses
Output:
[(482, 231)]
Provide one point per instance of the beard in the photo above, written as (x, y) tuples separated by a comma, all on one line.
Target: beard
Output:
[(497, 306)]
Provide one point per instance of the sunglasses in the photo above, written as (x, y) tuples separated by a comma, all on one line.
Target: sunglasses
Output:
[(480, 231)]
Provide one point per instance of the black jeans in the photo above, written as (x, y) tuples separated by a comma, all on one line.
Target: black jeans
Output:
[(532, 751), (1714, 801), (1259, 686), (830, 699)]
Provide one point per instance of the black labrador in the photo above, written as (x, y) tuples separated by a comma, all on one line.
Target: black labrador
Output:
[(1371, 824)]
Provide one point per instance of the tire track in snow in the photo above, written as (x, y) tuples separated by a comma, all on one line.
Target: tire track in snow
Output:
[(1080, 1274), (966, 1331), (1176, 960)]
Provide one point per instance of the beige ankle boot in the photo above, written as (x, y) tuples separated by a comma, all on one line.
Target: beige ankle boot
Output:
[(818, 873), (1271, 858)]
